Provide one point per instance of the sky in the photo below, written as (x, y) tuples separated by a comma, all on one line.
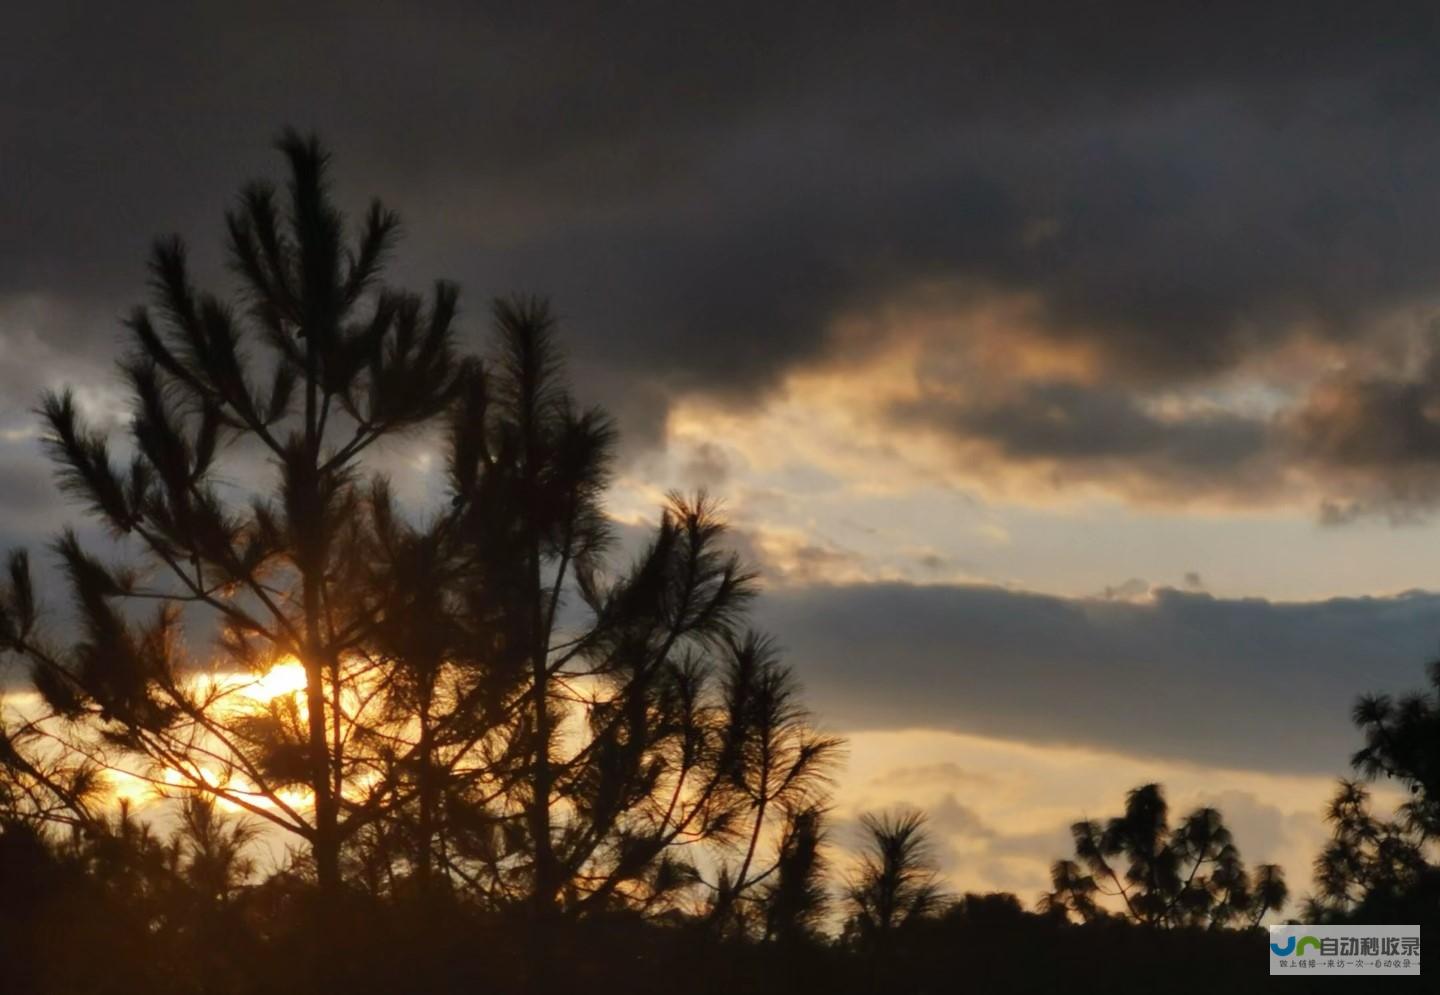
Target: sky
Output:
[(1070, 371)]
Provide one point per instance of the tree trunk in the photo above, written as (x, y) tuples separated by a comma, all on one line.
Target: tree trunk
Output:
[(326, 844), (425, 829), (546, 885), (544, 907)]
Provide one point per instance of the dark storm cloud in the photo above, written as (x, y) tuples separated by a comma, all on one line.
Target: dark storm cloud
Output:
[(1243, 683), (27, 499), (1380, 432), (705, 190), (1092, 432)]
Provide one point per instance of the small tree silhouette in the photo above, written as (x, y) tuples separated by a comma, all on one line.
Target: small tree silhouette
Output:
[(796, 900), (573, 730), (897, 883), (346, 364), (1376, 869), (1191, 875), (1370, 864), (894, 887), (1402, 741), (213, 850)]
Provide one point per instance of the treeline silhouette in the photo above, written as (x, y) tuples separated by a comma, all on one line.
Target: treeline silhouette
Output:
[(511, 759)]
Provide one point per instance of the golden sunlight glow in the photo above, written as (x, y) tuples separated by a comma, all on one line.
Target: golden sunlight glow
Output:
[(235, 694), (294, 798), (284, 678)]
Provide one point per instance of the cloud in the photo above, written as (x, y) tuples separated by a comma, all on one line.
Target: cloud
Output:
[(1043, 845), (1080, 434), (1241, 683), (786, 556), (1377, 432), (709, 194), (949, 817), (937, 773), (708, 468), (977, 398), (46, 343), (1266, 833), (28, 495), (1135, 587)]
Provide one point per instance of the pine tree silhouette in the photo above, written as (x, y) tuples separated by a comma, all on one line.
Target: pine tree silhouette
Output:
[(345, 363), (1186, 876), (492, 709)]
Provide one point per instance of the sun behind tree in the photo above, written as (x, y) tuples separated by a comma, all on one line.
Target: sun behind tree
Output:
[(470, 703)]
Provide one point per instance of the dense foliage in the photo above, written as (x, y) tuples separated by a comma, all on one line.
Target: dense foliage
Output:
[(125, 910)]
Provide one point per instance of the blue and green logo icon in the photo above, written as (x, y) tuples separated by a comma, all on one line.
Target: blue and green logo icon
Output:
[(1290, 946)]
